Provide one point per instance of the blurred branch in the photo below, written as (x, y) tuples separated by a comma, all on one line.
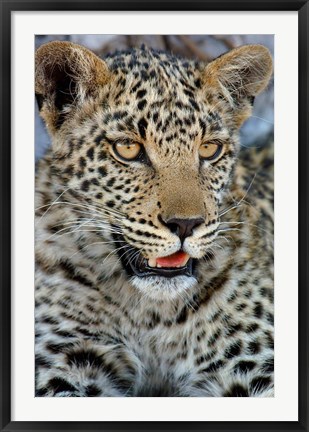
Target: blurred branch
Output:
[(192, 46), (226, 40), (167, 43)]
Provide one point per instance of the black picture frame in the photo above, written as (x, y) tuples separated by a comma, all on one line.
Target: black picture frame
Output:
[(7, 6)]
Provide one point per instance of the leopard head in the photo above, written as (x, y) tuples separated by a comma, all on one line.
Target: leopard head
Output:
[(149, 141)]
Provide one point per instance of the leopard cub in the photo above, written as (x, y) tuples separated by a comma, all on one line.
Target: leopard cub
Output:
[(154, 257)]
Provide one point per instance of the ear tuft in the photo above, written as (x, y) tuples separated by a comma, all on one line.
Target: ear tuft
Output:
[(241, 73), (65, 74)]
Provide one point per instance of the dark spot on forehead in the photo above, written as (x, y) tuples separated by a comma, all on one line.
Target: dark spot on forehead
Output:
[(82, 162), (140, 94), (100, 137), (142, 126), (203, 127), (102, 171), (90, 153), (141, 105), (136, 87), (145, 75), (85, 185), (118, 115)]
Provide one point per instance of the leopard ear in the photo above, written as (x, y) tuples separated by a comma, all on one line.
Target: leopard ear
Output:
[(65, 75), (240, 74)]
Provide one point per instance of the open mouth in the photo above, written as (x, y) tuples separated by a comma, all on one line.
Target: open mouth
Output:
[(177, 264)]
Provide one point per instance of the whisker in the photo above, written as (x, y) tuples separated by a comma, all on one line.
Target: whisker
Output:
[(238, 203), (228, 209), (247, 224), (260, 118), (229, 229), (50, 205), (113, 252), (76, 228), (73, 205), (93, 205)]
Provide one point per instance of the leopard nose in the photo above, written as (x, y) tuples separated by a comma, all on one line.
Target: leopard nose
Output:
[(183, 228)]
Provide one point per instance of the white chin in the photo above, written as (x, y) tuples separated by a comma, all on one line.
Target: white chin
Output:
[(161, 288)]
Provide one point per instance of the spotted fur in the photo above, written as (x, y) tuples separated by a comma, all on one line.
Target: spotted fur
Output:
[(101, 331)]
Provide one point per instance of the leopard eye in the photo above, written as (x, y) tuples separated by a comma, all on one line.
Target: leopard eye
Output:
[(210, 150), (127, 151)]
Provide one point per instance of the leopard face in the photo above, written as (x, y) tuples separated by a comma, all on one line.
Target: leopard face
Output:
[(148, 142)]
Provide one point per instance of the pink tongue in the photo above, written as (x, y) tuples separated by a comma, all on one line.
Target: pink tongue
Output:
[(173, 260)]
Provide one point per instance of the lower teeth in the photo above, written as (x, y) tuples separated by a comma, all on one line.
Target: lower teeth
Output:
[(152, 262)]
